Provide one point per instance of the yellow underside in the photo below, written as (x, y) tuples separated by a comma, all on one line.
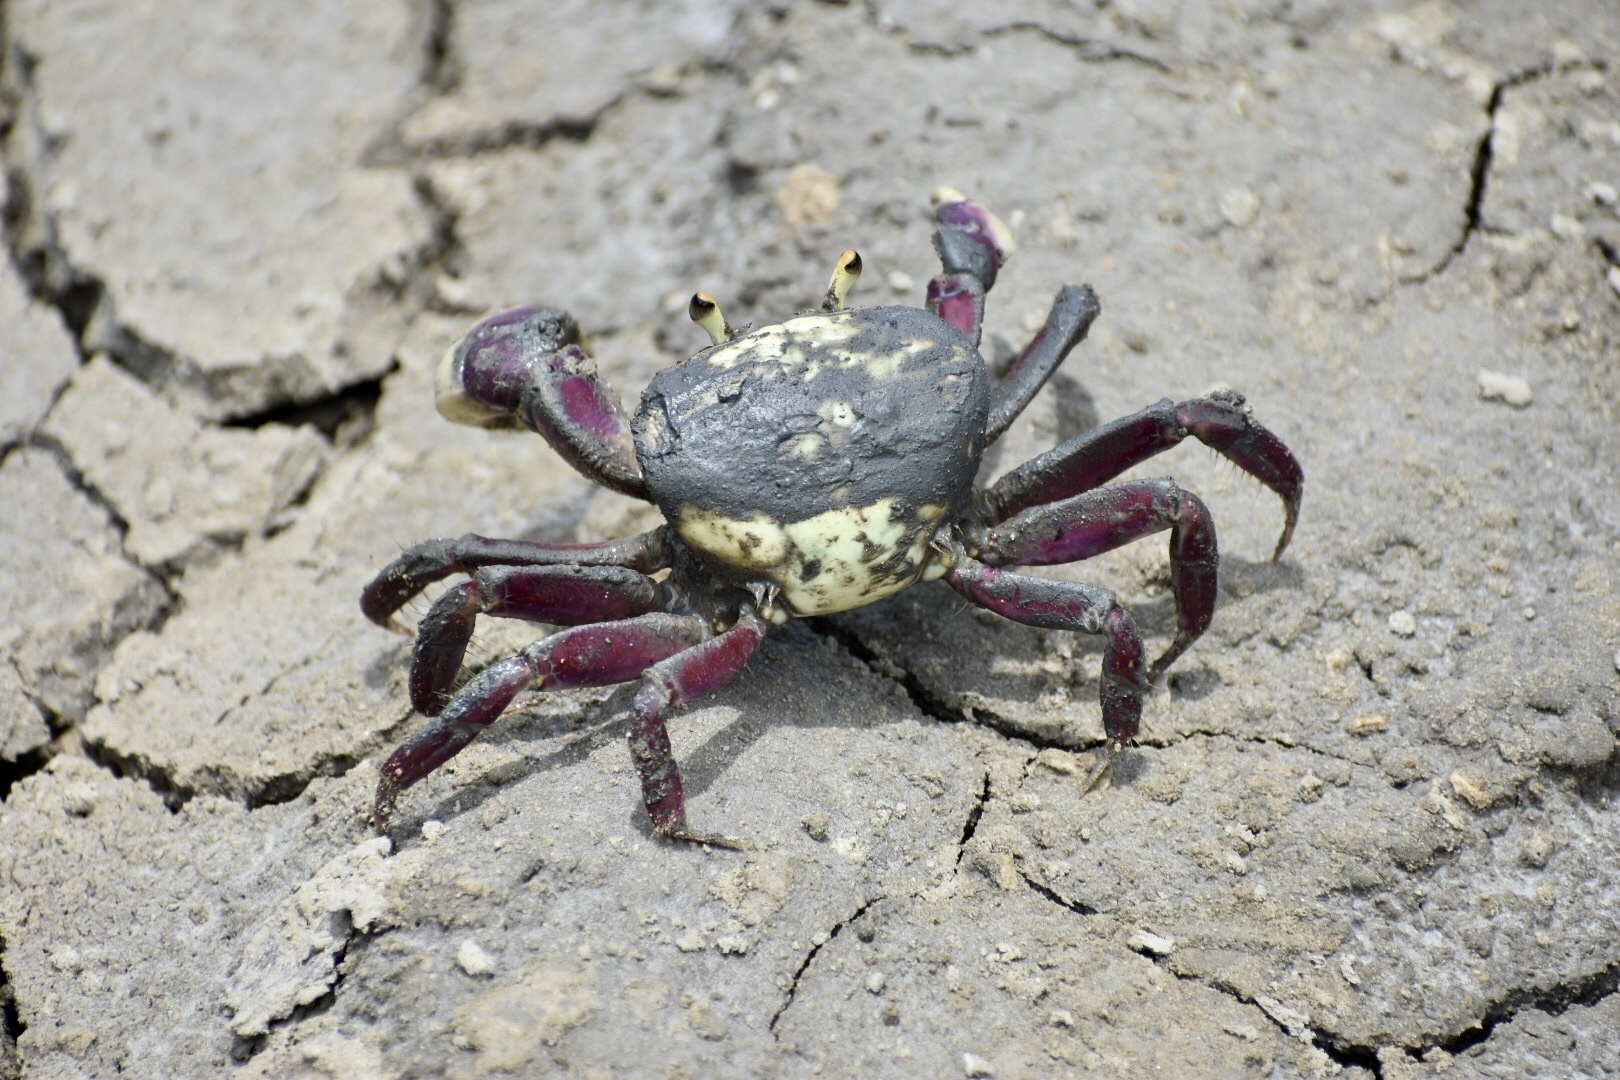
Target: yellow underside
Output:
[(826, 563)]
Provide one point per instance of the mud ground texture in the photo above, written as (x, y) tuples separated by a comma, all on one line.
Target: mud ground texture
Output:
[(1370, 829)]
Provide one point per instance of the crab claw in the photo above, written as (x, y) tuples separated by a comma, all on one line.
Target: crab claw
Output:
[(480, 380), (954, 210)]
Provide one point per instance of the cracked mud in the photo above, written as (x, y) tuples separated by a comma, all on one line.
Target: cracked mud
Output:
[(1370, 827)]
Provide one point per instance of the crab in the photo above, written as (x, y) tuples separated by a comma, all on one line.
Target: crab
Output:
[(803, 468)]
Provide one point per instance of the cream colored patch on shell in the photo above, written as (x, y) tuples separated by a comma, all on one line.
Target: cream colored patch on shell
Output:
[(755, 544), (838, 413), (827, 563), (806, 447), (813, 342), (653, 425), (454, 404)]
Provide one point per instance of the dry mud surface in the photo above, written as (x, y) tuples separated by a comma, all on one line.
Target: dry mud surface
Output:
[(1370, 828)]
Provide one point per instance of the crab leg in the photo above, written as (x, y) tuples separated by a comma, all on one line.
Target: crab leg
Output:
[(566, 595), (433, 560), (1109, 517), (594, 655), (1072, 314), (1221, 421), (699, 670), (523, 367), (1064, 605)]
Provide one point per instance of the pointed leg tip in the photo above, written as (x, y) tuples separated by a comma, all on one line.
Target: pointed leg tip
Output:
[(679, 831), (1105, 760), (1282, 542)]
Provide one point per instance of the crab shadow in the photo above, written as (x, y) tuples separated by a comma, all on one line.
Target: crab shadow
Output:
[(559, 731), (929, 631), (1074, 412)]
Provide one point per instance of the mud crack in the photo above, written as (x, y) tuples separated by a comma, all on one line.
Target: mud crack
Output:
[(344, 417), (247, 1047), (815, 947), (1089, 50), (925, 700), (1554, 1001), (11, 1029), (1479, 171), (1071, 905), (1293, 1024), (971, 826)]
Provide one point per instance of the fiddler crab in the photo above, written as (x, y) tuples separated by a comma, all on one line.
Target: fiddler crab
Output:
[(803, 468)]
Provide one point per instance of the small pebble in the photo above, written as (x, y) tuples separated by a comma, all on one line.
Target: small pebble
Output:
[(1614, 279), (974, 1065), (474, 960), (1469, 791), (1368, 724), (432, 830), (1511, 389), (874, 981), (900, 281), (1567, 228), (1617, 660), (1599, 192), (1060, 761), (810, 195), (1147, 941), (1240, 206), (1402, 624), (815, 825), (1529, 613)]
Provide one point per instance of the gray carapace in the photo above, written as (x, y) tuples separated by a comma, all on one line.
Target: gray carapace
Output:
[(819, 456)]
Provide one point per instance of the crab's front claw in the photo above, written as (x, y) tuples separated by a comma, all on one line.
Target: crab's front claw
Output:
[(960, 218), (480, 381), (524, 368)]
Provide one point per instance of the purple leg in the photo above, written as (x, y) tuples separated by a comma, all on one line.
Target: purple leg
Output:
[(1063, 605), (959, 300), (584, 656), (1072, 314), (1102, 520), (523, 367), (565, 595), (1222, 422), (699, 670), (434, 560)]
